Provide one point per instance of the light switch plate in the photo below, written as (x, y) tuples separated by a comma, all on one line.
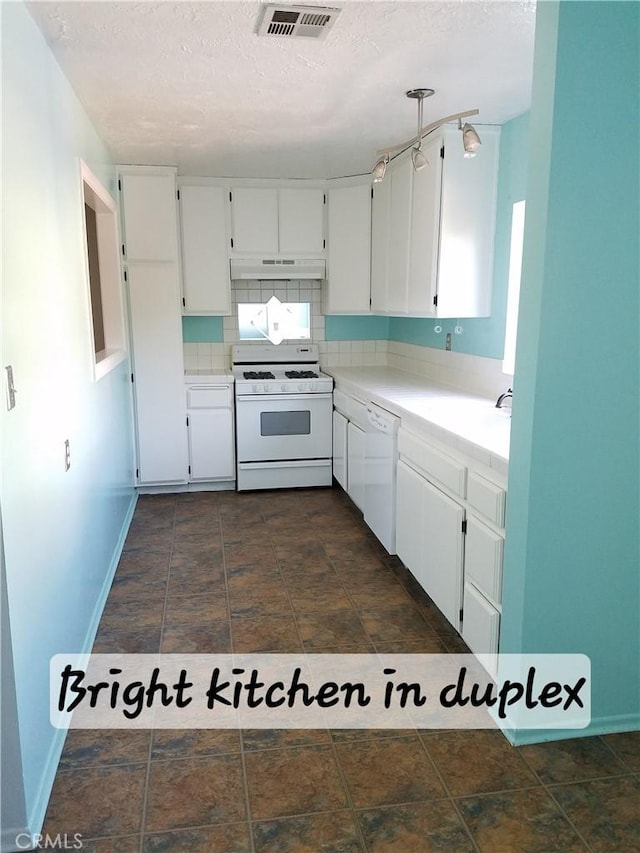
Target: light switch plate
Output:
[(10, 388)]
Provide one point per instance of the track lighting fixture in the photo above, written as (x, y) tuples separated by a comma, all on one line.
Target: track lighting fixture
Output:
[(470, 138)]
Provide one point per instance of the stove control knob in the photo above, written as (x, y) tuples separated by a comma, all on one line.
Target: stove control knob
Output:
[(283, 387), (266, 387), (254, 388), (303, 386)]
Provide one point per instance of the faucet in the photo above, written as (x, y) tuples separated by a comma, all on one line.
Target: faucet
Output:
[(503, 397)]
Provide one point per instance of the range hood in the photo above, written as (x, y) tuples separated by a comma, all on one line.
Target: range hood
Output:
[(277, 269)]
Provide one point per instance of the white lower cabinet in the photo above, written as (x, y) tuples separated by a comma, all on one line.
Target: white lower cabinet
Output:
[(340, 424), (349, 446), (210, 430), (409, 512), (355, 464), (429, 539), (483, 558), (481, 628), (443, 547), (453, 541)]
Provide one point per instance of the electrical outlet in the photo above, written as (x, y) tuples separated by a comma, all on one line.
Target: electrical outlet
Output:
[(447, 343), (67, 455)]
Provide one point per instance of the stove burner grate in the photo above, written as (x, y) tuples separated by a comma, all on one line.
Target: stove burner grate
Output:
[(258, 374), (300, 374)]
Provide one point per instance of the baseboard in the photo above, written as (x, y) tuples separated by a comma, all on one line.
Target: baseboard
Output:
[(39, 808), (182, 488), (600, 726)]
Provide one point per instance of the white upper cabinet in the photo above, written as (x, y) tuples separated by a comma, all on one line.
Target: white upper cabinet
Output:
[(254, 220), (400, 175), (205, 250), (380, 220), (269, 221), (348, 288), (301, 221), (433, 230), (467, 226), (425, 223), (150, 218)]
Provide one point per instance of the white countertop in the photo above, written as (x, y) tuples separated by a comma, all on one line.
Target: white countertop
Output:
[(204, 375), (472, 424)]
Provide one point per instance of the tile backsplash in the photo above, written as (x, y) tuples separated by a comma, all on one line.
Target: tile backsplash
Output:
[(469, 373), (217, 356)]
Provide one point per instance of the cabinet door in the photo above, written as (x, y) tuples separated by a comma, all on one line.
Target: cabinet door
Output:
[(400, 175), (481, 626), (340, 449), (467, 226), (483, 558), (254, 220), (301, 221), (355, 464), (380, 222), (154, 310), (425, 220), (349, 251), (205, 255), (150, 220), (211, 455), (409, 515), (442, 553)]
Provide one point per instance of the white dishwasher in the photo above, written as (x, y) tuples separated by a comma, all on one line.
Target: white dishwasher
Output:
[(381, 456)]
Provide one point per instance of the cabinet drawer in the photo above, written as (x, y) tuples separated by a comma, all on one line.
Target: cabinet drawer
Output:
[(437, 465), (483, 558), (481, 626), (341, 402), (208, 397), (486, 497), (357, 412)]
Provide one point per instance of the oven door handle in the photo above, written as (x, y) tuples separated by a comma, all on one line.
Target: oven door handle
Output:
[(277, 398)]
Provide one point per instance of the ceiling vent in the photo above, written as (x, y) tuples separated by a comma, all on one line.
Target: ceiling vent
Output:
[(312, 22)]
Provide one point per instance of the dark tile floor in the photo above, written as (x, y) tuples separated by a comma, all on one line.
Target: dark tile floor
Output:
[(292, 571)]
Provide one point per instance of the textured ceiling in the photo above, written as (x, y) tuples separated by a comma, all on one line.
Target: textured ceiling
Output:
[(192, 85)]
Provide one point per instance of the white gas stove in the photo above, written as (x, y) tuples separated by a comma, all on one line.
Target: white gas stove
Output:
[(287, 369), (283, 417)]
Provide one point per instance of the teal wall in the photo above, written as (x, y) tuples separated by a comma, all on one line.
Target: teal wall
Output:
[(356, 328), (62, 530), (483, 336), (196, 330), (572, 561)]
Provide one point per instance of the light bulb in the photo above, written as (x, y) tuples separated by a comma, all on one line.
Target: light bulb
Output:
[(470, 140), (380, 170), (419, 160)]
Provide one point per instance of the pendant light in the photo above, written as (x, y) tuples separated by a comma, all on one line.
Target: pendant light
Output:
[(417, 157)]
